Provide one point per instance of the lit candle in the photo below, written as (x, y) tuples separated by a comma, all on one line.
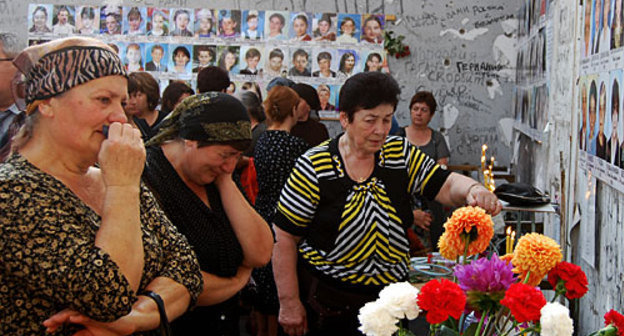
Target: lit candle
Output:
[(513, 240), (507, 241)]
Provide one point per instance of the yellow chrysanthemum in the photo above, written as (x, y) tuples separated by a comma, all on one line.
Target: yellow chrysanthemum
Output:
[(461, 225), (537, 254)]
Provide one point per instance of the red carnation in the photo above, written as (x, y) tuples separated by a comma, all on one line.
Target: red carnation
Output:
[(524, 302), (441, 299), (573, 278), (616, 319)]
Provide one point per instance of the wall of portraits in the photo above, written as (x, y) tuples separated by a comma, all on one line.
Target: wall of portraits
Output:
[(321, 49)]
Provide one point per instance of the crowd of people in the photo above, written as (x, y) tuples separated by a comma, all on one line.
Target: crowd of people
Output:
[(124, 212)]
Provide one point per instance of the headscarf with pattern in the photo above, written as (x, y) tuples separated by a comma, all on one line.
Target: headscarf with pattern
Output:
[(55, 67)]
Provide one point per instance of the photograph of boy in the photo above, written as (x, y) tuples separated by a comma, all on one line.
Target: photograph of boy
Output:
[(229, 23), (251, 61), (253, 25), (203, 56), (155, 57), (301, 64), (110, 20), (63, 21)]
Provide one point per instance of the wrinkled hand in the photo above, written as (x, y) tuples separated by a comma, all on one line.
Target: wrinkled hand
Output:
[(292, 317), (480, 196), (119, 327), (422, 219), (122, 156)]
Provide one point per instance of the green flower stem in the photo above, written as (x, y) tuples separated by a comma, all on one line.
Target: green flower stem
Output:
[(505, 323), (489, 324), (526, 279), (478, 332), (466, 243), (555, 297)]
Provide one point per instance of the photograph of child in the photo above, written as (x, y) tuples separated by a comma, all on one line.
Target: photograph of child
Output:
[(253, 25), (348, 31), (229, 23), (300, 62), (275, 27), (87, 20), (324, 27), (203, 56), (40, 18), (134, 20), (204, 22), (300, 27), (158, 21), (63, 21), (155, 57), (228, 58), (276, 63), (251, 60), (180, 58), (182, 21), (133, 57), (373, 29), (325, 62), (110, 20)]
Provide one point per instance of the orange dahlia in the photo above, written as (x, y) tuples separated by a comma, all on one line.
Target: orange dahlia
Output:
[(448, 250), (470, 223), (537, 254), (507, 257)]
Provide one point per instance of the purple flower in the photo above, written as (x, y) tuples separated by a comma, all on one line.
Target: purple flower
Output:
[(485, 275)]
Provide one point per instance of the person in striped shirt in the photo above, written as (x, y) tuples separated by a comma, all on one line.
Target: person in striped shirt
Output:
[(341, 218)]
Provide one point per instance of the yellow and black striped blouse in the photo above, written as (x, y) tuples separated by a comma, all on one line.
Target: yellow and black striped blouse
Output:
[(355, 232)]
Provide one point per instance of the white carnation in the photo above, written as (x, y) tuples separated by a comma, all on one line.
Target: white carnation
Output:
[(375, 320), (555, 320), (400, 299)]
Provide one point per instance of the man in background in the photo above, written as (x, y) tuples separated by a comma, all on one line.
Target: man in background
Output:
[(11, 118), (212, 78)]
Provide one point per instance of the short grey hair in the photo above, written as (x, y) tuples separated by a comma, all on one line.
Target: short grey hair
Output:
[(10, 44)]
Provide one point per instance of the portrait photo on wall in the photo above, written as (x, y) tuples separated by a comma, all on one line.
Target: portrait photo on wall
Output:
[(275, 27), (300, 27), (134, 21), (133, 57), (158, 21), (251, 60), (583, 103), (40, 19), (602, 28), (603, 102), (348, 28), (63, 21), (324, 27), (300, 62), (327, 96), (110, 20), (277, 61), (617, 24), (324, 62), (613, 152), (252, 25), (203, 56), (229, 23), (181, 22), (205, 22), (348, 64), (374, 60), (180, 58), (87, 20), (155, 59), (373, 28), (228, 58)]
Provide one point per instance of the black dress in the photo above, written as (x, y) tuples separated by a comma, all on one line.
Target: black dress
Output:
[(275, 155)]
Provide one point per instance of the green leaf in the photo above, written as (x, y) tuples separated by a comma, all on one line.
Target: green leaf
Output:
[(446, 331), (404, 332)]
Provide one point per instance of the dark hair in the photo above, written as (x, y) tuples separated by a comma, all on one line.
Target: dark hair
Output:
[(615, 96), (253, 87), (212, 78), (88, 12), (372, 18), (323, 55), (40, 8), (199, 48), (180, 12), (251, 16), (345, 20), (253, 104), (280, 103), (144, 82), (301, 17), (134, 13), (180, 49), (172, 93), (343, 60), (425, 97), (251, 53), (276, 53), (221, 62), (368, 90), (279, 16), (325, 17), (370, 58), (62, 8), (299, 52)]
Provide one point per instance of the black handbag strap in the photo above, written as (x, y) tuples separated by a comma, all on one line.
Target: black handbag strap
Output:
[(165, 329)]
